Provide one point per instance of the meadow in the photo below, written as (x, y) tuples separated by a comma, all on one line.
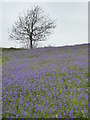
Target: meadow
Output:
[(47, 82)]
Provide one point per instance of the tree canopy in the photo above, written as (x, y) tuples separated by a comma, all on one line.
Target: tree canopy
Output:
[(32, 26)]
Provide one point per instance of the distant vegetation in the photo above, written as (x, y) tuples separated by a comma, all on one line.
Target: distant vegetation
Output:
[(12, 48)]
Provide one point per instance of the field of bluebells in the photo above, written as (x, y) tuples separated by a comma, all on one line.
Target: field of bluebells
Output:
[(45, 82)]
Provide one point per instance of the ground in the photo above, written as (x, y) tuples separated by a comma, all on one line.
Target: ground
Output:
[(45, 82)]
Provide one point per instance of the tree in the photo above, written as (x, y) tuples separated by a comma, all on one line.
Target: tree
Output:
[(33, 26), (26, 45)]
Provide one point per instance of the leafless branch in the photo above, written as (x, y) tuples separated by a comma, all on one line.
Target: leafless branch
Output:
[(33, 26)]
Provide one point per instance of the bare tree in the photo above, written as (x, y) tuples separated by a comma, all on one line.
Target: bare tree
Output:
[(33, 26), (26, 45)]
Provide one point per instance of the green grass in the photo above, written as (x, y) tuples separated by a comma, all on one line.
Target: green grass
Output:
[(56, 89), (0, 61), (5, 59)]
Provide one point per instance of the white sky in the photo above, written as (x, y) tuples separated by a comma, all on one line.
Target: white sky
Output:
[(72, 22)]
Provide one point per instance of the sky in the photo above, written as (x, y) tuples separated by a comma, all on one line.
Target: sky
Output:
[(71, 24)]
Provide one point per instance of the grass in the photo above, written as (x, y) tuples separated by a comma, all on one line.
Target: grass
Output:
[(0, 61), (5, 59), (45, 85)]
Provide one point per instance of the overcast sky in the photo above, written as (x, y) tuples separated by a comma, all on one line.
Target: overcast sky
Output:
[(71, 25)]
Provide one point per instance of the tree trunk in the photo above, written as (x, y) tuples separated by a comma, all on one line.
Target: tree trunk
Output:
[(31, 41), (31, 44)]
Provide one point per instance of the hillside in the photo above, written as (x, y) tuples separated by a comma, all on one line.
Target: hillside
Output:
[(45, 82)]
